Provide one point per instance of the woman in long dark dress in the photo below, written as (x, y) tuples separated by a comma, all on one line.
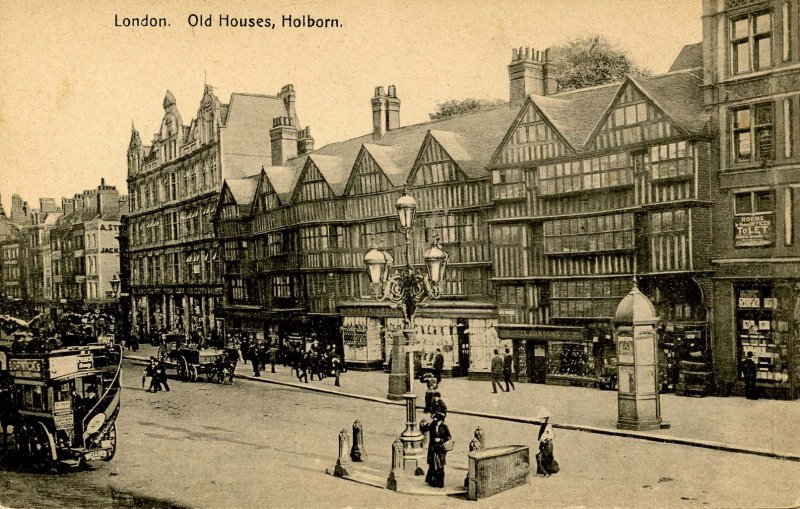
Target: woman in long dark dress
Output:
[(439, 434), (546, 463)]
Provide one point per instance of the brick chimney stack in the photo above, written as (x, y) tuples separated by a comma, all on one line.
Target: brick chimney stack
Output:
[(530, 73), (305, 143), (283, 140), (385, 111), (107, 200)]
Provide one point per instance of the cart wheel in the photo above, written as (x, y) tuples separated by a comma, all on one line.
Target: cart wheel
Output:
[(162, 353), (183, 369), (111, 436), (192, 370), (36, 442)]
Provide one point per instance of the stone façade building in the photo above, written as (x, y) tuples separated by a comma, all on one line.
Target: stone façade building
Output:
[(751, 52), (174, 183)]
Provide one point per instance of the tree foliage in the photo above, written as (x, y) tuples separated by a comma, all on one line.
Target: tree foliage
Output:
[(455, 107), (592, 60)]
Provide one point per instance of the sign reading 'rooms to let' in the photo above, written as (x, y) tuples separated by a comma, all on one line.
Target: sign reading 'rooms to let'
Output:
[(753, 230)]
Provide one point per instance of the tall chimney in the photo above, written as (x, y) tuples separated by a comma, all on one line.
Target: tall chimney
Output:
[(305, 143), (288, 96), (67, 205), (530, 73), (283, 140), (107, 200), (392, 109), (378, 113)]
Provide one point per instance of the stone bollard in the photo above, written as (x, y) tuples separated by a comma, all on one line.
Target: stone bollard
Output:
[(357, 452), (342, 462), (397, 465)]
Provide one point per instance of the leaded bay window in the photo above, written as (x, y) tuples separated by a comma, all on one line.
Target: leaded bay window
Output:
[(751, 42), (752, 132)]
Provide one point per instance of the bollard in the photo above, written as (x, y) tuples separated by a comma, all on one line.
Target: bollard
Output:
[(397, 465), (357, 452), (342, 462)]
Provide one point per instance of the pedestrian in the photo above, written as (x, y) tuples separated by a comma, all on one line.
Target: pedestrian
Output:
[(437, 404), (439, 443), (255, 358), (155, 384), (148, 372), (430, 381), (336, 365), (272, 355), (749, 372), (497, 371), (508, 362), (303, 366), (161, 376), (438, 365), (546, 463)]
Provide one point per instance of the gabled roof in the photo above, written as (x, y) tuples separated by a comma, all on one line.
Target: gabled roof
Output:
[(575, 113), (679, 95), (386, 156), (470, 140), (691, 56), (243, 190), (281, 178)]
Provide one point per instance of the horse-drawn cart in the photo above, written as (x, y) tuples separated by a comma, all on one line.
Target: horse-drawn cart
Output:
[(192, 360)]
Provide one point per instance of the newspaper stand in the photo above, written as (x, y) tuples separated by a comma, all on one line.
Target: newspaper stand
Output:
[(64, 404)]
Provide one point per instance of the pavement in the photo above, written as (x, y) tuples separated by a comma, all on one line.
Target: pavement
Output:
[(733, 424)]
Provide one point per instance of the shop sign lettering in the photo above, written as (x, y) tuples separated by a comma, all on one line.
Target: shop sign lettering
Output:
[(753, 230), (113, 250)]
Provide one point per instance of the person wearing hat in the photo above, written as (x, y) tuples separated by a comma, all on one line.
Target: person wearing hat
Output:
[(439, 442), (437, 404), (546, 463), (749, 373)]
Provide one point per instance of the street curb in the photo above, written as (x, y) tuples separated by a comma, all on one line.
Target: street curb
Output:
[(705, 444)]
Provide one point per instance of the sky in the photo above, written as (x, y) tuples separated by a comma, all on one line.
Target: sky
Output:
[(71, 82)]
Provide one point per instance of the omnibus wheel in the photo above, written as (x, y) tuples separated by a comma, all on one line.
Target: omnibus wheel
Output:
[(162, 353), (192, 370), (111, 436)]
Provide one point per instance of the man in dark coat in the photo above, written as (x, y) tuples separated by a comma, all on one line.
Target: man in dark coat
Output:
[(438, 435), (438, 365), (508, 361), (497, 371), (255, 357), (749, 372), (437, 404)]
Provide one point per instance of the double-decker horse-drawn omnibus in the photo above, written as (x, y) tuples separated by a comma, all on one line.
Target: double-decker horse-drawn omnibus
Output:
[(62, 404)]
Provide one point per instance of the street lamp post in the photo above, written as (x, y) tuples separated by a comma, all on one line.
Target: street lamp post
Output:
[(406, 289)]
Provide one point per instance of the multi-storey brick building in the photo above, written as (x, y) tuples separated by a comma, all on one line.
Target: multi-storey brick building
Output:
[(751, 55), (592, 188), (174, 185), (40, 270), (13, 248), (84, 250)]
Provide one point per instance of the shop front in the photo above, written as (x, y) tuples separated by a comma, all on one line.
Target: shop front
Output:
[(762, 317)]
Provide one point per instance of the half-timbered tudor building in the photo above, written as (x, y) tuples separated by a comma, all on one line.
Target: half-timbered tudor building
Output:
[(174, 186), (751, 52), (313, 219), (592, 188)]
